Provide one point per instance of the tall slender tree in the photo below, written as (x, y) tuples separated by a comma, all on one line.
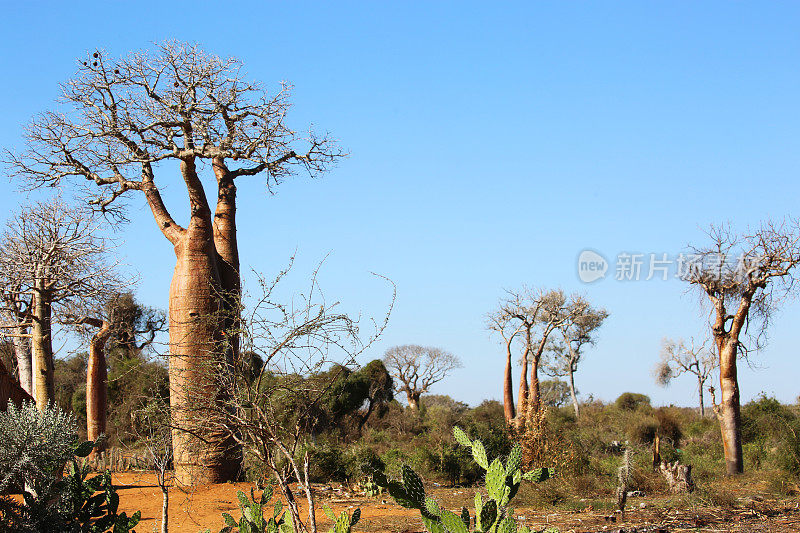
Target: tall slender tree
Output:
[(744, 277), (125, 121)]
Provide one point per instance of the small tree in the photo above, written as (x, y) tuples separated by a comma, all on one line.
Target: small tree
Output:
[(152, 431), (678, 358), (417, 368), (744, 277), (577, 332)]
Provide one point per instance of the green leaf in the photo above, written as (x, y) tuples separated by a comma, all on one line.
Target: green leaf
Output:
[(229, 521), (478, 504), (432, 524), (452, 522), (277, 508), (496, 480), (398, 492), (84, 448), (461, 437), (133, 520), (287, 527), (507, 525), (328, 512), (538, 475), (432, 507), (243, 501), (356, 517), (413, 485), (488, 515), (479, 454), (514, 460)]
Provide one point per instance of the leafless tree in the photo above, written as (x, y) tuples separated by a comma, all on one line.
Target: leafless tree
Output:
[(678, 357), (123, 122), (577, 332), (152, 431), (277, 384), (744, 277), (537, 313), (499, 322), (415, 369), (55, 254)]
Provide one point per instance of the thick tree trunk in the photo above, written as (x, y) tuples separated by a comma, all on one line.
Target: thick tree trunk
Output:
[(508, 388), (700, 394), (203, 452), (10, 391), (575, 404), (42, 350), (533, 399), (22, 350), (97, 386), (522, 401), (729, 412), (228, 254), (413, 401)]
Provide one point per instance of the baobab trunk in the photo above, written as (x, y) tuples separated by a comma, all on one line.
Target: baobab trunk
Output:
[(700, 394), (575, 404), (97, 386), (228, 254), (42, 350), (728, 411), (22, 351), (508, 388), (533, 399), (522, 401), (203, 453), (413, 401)]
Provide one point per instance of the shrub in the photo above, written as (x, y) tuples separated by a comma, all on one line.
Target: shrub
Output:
[(631, 401)]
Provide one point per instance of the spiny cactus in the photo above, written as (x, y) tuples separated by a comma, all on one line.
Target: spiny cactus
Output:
[(491, 516), (344, 522), (253, 520)]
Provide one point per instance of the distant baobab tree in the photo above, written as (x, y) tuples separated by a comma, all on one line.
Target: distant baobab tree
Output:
[(55, 254), (135, 125), (415, 369), (678, 357), (745, 278), (530, 315), (577, 333)]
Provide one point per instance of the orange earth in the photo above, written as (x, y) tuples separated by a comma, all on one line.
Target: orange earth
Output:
[(201, 508)]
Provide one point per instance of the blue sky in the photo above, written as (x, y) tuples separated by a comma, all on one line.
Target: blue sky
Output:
[(490, 144)]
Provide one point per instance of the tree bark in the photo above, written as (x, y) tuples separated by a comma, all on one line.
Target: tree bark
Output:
[(10, 391), (522, 401), (508, 387), (203, 453), (533, 398), (729, 412), (228, 254), (413, 401), (42, 349), (22, 350), (97, 386), (575, 404), (164, 509), (700, 384)]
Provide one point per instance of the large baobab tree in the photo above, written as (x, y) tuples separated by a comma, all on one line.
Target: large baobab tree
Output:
[(678, 357), (415, 369), (55, 254), (127, 123), (16, 306), (577, 333), (537, 313), (744, 277)]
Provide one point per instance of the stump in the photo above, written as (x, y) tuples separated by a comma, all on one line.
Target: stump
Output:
[(678, 476)]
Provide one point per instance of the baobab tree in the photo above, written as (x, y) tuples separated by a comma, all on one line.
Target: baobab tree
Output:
[(55, 254), (415, 369), (744, 277), (499, 322), (537, 313), (577, 333), (16, 307), (125, 120), (678, 357)]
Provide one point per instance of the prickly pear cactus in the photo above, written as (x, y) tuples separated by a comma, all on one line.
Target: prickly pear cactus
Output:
[(344, 522), (491, 516), (253, 519)]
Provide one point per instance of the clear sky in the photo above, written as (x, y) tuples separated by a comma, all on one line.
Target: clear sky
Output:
[(490, 143)]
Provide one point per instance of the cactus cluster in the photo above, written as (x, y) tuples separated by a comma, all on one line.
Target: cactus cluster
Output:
[(490, 516), (253, 520), (344, 522)]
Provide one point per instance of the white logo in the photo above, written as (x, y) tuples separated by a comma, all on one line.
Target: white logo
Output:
[(591, 266)]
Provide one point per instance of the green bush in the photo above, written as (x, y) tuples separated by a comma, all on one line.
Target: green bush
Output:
[(631, 401)]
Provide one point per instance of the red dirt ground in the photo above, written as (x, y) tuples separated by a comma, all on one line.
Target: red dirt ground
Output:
[(201, 508)]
